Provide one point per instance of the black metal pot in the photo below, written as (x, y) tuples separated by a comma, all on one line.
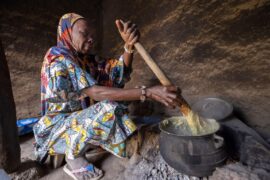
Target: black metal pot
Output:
[(192, 155)]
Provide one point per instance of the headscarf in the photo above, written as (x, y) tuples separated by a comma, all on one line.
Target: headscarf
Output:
[(64, 44), (63, 50)]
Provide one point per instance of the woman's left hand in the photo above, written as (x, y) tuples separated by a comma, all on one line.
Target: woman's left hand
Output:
[(128, 31)]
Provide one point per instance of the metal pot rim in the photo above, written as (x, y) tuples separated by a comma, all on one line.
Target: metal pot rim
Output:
[(187, 136)]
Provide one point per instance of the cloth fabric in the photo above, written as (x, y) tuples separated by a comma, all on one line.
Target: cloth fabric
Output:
[(69, 123)]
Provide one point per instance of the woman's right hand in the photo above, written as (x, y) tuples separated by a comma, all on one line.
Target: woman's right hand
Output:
[(164, 94)]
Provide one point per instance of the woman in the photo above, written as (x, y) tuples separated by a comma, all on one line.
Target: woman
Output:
[(79, 93)]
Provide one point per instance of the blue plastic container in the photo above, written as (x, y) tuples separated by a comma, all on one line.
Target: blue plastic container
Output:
[(25, 126)]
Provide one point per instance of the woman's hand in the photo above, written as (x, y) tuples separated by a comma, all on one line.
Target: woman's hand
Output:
[(164, 94), (128, 31)]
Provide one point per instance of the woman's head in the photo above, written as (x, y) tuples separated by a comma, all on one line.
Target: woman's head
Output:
[(74, 33), (81, 36)]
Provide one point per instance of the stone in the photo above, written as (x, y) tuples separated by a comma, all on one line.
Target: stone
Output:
[(239, 172), (28, 170), (154, 172), (235, 132), (254, 154)]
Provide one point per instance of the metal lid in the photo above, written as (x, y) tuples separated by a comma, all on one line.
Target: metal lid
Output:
[(213, 108)]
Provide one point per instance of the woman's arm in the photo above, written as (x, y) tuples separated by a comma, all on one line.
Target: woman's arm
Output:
[(130, 34), (128, 58), (166, 95), (100, 93)]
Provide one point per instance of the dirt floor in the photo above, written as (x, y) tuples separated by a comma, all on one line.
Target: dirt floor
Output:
[(147, 164), (144, 166)]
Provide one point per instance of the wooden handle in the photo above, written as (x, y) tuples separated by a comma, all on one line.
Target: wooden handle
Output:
[(152, 64), (184, 106)]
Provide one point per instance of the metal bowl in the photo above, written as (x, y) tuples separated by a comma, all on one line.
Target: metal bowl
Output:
[(213, 108)]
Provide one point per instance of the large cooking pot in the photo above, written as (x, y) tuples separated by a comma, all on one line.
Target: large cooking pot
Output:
[(191, 155)]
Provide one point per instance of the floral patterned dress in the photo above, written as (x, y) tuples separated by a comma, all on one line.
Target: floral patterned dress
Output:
[(69, 123)]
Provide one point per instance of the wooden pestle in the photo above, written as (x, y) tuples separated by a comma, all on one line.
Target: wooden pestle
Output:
[(182, 103)]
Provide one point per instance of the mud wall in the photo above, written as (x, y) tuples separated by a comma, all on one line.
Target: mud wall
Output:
[(208, 48)]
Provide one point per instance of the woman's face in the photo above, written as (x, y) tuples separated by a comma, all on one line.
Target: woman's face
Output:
[(81, 36)]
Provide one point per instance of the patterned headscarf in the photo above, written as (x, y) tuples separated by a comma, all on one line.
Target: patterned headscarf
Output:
[(64, 46), (64, 29)]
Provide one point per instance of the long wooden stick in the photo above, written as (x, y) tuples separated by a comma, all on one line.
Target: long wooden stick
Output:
[(184, 106), (152, 64)]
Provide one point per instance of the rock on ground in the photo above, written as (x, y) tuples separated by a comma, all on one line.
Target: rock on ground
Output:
[(29, 170), (240, 172)]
